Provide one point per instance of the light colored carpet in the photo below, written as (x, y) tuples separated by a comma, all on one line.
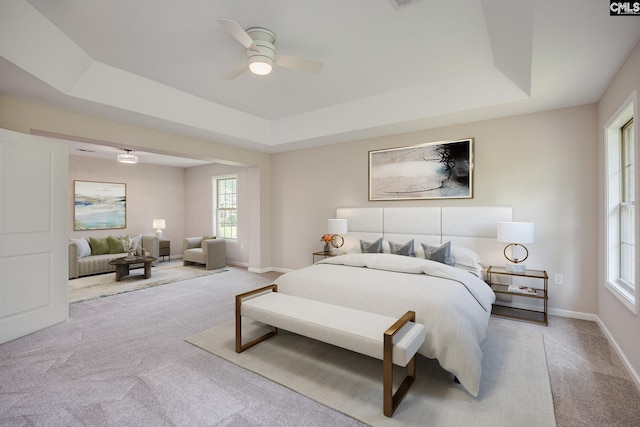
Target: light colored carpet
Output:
[(102, 285), (515, 387), (122, 361)]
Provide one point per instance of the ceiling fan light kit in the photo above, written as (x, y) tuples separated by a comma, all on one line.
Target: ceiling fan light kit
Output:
[(261, 61), (260, 66), (261, 52)]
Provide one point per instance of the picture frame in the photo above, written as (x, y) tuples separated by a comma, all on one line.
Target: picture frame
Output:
[(99, 205), (433, 170)]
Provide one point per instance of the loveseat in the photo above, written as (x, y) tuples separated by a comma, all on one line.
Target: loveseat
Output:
[(85, 260)]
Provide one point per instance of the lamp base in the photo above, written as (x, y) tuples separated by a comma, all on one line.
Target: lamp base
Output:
[(516, 268), (159, 234)]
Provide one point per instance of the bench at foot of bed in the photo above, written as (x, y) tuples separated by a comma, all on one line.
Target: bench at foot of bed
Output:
[(394, 341)]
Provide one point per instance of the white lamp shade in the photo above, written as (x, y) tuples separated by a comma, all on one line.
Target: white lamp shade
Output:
[(515, 232), (159, 224), (337, 226)]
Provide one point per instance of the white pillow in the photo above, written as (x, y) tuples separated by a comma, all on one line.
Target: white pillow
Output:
[(467, 259), (83, 247)]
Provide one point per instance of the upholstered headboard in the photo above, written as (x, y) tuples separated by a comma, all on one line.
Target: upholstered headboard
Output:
[(471, 227)]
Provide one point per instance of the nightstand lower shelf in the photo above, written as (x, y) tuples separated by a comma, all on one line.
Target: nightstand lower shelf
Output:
[(518, 313)]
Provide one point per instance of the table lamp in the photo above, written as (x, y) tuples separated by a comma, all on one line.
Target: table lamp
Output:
[(159, 225), (337, 227), (515, 234)]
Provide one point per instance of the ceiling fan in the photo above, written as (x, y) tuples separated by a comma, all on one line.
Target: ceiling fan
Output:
[(261, 52)]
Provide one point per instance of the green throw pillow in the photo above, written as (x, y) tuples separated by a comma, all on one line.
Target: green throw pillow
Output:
[(208, 237), (99, 246), (116, 246)]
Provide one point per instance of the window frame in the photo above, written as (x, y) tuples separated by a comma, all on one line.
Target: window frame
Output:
[(627, 278), (215, 209), (614, 202)]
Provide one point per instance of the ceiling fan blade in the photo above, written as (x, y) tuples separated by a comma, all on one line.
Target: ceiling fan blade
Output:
[(235, 73), (238, 33), (299, 63)]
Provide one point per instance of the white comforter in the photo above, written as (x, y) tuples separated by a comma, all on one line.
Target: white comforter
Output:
[(453, 304)]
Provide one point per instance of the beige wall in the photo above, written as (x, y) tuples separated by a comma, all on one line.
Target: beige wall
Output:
[(620, 322), (152, 192), (542, 165)]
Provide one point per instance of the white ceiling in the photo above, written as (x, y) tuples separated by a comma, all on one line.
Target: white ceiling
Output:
[(159, 63)]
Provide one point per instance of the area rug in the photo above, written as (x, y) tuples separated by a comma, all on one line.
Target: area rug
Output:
[(102, 285), (514, 390)]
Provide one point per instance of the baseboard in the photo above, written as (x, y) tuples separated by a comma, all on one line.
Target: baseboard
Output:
[(634, 375), (238, 264), (573, 314)]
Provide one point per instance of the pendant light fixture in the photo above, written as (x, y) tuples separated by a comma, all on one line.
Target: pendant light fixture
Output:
[(128, 157)]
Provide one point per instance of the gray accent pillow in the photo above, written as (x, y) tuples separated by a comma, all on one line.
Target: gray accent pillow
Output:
[(371, 247), (398, 249), (438, 253)]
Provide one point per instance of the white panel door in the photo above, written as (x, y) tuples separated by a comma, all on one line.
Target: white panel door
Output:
[(33, 234)]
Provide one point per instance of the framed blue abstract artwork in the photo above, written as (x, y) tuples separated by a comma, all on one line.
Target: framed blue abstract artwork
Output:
[(99, 205)]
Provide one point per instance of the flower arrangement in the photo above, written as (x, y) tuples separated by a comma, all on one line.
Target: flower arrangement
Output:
[(129, 246), (326, 239)]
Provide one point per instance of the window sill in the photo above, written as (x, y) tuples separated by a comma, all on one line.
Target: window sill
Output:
[(623, 295)]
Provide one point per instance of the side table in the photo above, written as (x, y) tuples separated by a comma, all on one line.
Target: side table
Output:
[(535, 292), (165, 249), (322, 254)]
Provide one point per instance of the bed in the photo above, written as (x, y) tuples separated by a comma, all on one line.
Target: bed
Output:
[(451, 300)]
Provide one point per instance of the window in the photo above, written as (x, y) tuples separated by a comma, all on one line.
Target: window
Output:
[(225, 221), (621, 153), (627, 210)]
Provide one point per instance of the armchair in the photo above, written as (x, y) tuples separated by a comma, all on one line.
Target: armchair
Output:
[(210, 252)]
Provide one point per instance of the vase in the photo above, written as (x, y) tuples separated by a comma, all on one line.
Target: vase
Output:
[(327, 248)]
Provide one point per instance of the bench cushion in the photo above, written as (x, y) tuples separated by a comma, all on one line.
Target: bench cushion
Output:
[(344, 327)]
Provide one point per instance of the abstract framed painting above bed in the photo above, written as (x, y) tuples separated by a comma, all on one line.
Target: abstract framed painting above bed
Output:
[(447, 292), (434, 170)]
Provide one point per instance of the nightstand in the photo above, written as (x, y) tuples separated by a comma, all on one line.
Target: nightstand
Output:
[(503, 283), (323, 254), (165, 249)]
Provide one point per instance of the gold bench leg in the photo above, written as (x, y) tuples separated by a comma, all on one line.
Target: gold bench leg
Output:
[(242, 347), (391, 400)]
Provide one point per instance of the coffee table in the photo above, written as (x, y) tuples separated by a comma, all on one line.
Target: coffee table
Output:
[(123, 264)]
